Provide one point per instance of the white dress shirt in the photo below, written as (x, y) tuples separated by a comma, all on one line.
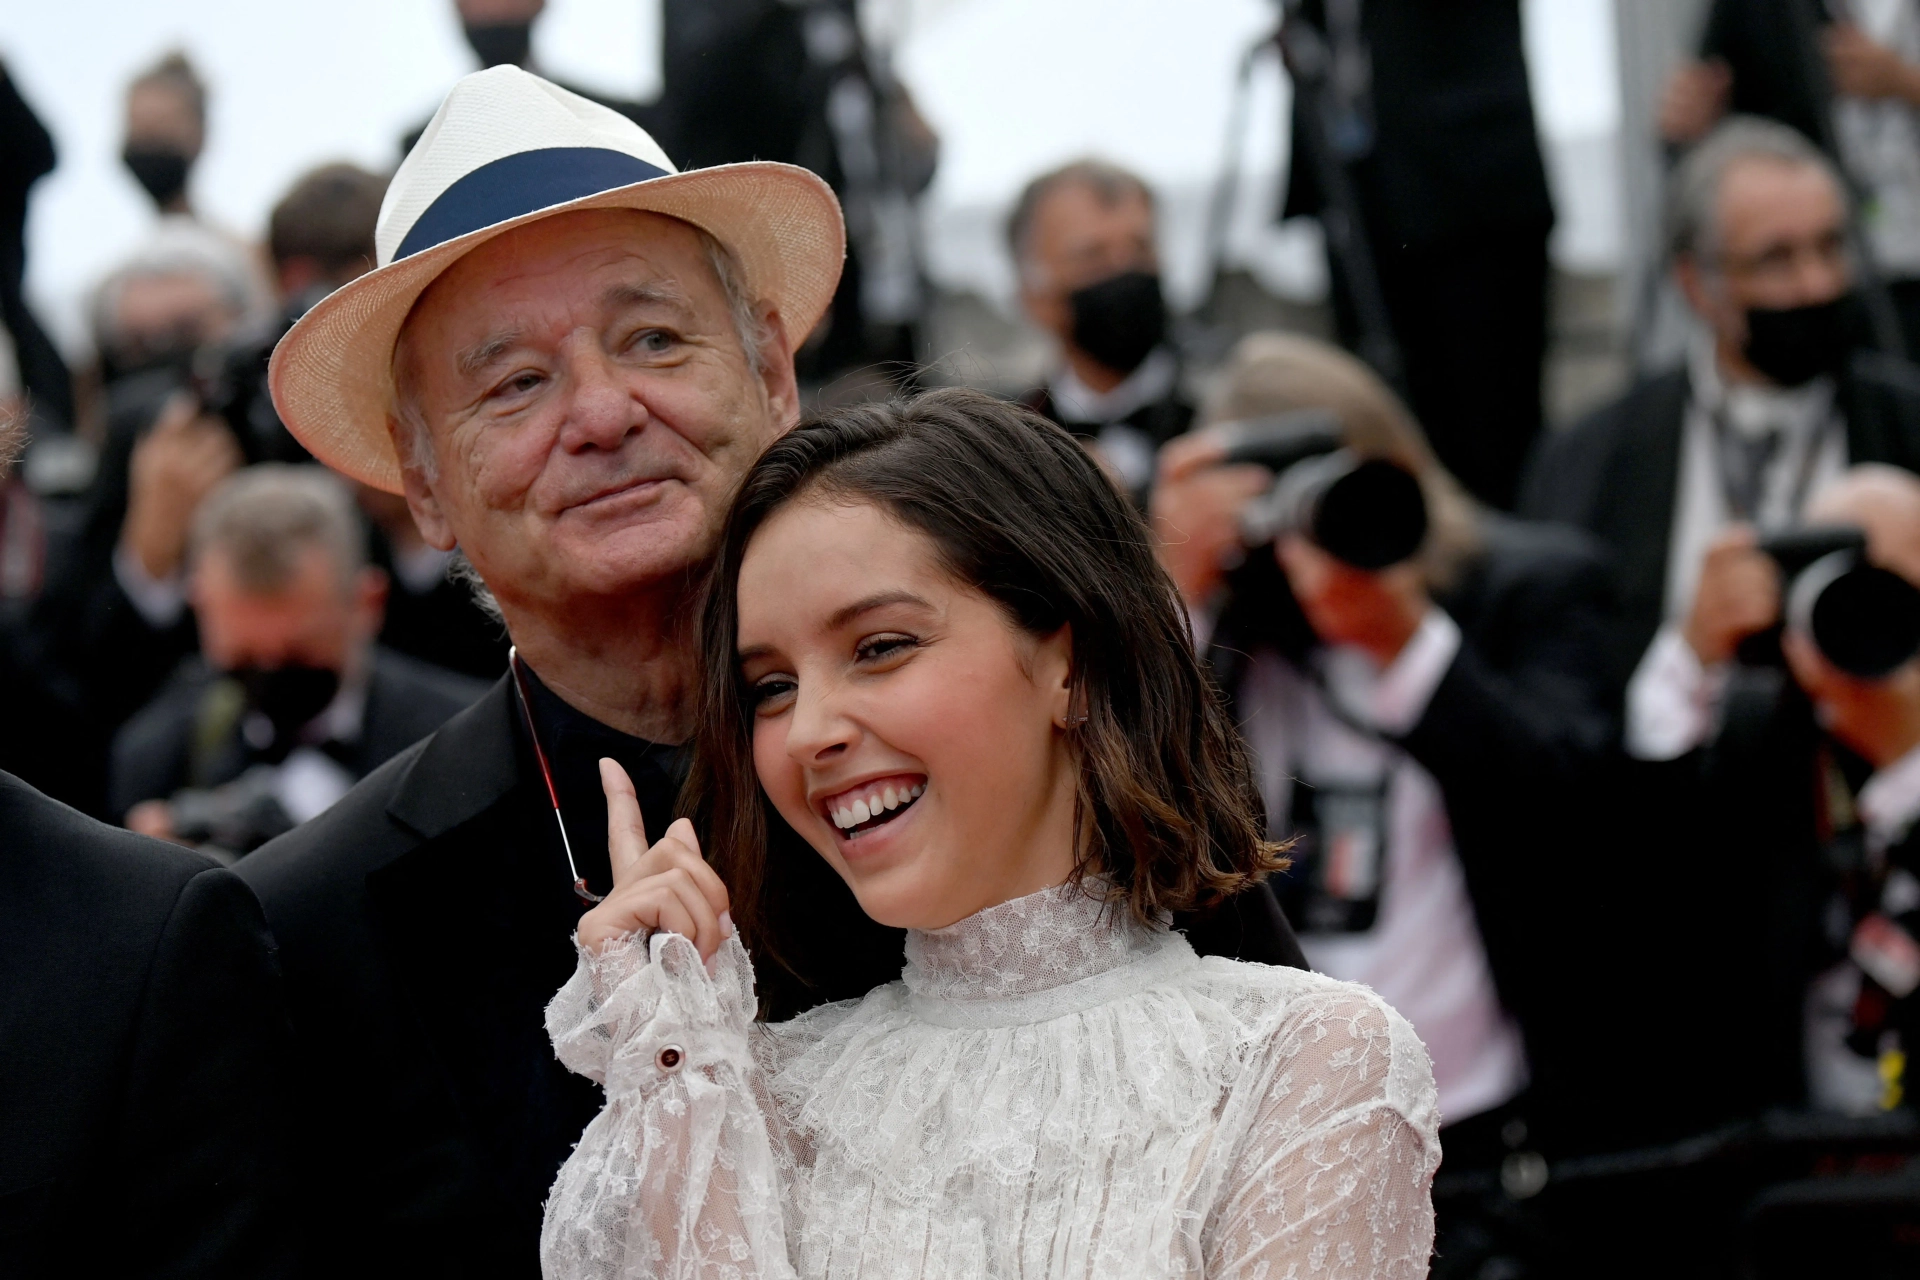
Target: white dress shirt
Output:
[(1424, 954), (1128, 449)]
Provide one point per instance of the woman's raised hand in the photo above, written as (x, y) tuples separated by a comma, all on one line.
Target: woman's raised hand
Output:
[(669, 886)]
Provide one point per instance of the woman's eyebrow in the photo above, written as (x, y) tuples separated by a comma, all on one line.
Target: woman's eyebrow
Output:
[(842, 616), (878, 600)]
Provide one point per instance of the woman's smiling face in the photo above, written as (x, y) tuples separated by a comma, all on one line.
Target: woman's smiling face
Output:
[(904, 725)]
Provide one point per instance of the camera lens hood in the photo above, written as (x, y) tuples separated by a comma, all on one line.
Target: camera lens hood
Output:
[(1864, 619)]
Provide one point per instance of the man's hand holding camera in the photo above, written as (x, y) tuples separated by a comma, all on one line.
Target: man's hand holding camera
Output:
[(1738, 595), (1195, 511), (174, 467)]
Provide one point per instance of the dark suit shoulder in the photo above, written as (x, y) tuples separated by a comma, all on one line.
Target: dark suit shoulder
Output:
[(1565, 479), (410, 699), (445, 692), (1889, 375), (47, 842), (1518, 553)]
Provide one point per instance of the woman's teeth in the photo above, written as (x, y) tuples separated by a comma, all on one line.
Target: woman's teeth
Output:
[(881, 800)]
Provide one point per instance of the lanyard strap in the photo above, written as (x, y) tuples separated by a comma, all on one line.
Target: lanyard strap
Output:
[(518, 669)]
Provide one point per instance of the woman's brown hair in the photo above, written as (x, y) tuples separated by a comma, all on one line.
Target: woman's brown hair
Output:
[(1167, 812)]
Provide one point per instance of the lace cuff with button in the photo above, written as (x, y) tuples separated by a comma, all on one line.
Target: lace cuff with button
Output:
[(647, 1007)]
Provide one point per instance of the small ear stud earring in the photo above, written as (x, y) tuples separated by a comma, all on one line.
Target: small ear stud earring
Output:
[(1075, 721)]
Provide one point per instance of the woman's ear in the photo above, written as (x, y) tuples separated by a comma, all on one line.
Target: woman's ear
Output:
[(1054, 673)]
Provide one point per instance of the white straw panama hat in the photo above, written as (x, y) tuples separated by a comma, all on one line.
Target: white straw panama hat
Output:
[(504, 149)]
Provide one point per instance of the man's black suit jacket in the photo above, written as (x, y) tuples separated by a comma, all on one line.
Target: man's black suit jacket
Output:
[(143, 1064), (424, 922), (153, 753), (1616, 474)]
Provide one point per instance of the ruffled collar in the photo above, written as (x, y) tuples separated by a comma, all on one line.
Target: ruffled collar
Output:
[(1028, 946)]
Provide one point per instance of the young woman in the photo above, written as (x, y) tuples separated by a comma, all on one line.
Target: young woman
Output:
[(940, 653)]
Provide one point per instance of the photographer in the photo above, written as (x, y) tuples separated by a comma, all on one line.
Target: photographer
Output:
[(290, 703), (1084, 242), (1790, 788), (1429, 728), (1776, 396)]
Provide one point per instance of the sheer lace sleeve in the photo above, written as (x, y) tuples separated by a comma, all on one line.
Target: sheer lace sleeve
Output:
[(675, 1178), (1333, 1176)]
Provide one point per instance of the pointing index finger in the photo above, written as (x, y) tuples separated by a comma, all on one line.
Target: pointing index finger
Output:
[(626, 829)]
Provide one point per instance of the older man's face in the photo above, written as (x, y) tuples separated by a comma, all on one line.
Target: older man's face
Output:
[(590, 407), (1781, 242)]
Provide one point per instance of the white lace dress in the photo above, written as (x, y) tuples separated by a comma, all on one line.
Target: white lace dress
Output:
[(1051, 1090)]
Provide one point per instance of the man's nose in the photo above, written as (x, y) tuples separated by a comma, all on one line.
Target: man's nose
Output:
[(1822, 276), (601, 410)]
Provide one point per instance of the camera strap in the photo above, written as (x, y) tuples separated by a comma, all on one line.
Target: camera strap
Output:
[(1341, 827), (1742, 463)]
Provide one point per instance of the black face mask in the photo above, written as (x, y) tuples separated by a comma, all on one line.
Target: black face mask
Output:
[(1795, 345), (288, 697), (1120, 320), (501, 43), (161, 170)]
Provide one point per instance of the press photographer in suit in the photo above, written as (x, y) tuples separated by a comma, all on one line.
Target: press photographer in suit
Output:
[(142, 1055), (1776, 397)]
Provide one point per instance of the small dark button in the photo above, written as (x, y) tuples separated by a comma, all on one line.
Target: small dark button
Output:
[(670, 1058)]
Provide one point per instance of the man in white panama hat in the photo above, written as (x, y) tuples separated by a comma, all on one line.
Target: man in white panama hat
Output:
[(566, 359)]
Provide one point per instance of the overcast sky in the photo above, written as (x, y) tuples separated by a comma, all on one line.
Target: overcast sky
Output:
[(1012, 86)]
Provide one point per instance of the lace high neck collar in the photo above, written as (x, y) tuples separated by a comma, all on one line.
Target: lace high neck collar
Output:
[(1031, 945)]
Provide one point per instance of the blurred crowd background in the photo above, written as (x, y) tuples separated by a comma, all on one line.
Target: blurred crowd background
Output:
[(1522, 394)]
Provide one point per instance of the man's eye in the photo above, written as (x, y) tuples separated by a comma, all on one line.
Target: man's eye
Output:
[(653, 342), (520, 383), (880, 648)]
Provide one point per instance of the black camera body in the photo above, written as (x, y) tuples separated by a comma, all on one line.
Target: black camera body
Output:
[(1367, 512), (1865, 620)]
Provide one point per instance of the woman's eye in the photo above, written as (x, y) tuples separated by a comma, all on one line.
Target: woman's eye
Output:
[(764, 694), (880, 648)]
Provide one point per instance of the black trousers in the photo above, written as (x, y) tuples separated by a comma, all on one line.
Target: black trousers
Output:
[(1470, 315)]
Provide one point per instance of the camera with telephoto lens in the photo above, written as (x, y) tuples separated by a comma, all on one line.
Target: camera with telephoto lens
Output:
[(1865, 620), (232, 819), (230, 381), (1366, 512)]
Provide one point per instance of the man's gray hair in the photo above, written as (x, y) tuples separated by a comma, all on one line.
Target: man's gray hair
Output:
[(264, 519), (1693, 192), (179, 247), (1108, 181)]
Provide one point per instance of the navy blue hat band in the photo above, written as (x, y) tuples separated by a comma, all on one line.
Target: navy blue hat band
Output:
[(520, 184)]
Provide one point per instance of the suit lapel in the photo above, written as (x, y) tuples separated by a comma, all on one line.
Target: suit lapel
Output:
[(485, 888), (1638, 522), (469, 765)]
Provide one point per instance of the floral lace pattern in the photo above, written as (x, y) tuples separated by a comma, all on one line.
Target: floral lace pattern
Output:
[(1050, 1090)]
